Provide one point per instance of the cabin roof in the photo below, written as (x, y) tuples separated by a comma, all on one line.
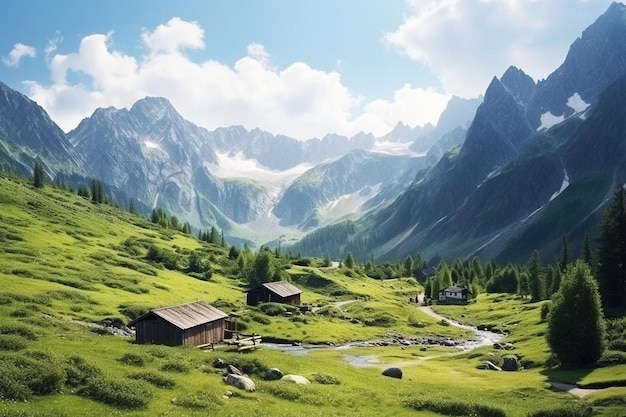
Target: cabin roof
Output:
[(186, 316), (455, 289), (282, 288)]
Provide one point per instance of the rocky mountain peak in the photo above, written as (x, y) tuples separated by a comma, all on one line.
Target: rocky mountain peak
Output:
[(154, 108), (519, 84)]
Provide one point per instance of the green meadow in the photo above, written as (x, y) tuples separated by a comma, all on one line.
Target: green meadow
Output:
[(67, 264)]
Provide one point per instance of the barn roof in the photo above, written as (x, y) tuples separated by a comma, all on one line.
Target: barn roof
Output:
[(282, 288), (186, 316)]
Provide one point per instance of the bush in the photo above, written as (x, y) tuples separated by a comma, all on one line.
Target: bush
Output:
[(12, 342), (545, 310), (272, 309), (326, 379), (250, 366), (573, 411), (132, 359), (198, 400), (78, 372), (118, 393), (26, 374), (175, 366), (258, 318), (285, 390), (133, 311), (154, 378), (25, 331), (454, 408), (612, 357)]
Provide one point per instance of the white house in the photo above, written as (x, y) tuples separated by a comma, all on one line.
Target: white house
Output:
[(454, 294)]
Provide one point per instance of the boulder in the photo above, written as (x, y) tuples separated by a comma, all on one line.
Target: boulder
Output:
[(273, 374), (241, 382), (230, 369), (296, 379), (490, 366), (393, 372), (510, 363), (219, 363)]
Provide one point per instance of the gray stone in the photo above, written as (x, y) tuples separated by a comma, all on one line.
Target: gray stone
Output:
[(273, 374), (489, 366), (393, 372), (230, 369), (241, 382), (296, 379), (219, 363), (510, 363)]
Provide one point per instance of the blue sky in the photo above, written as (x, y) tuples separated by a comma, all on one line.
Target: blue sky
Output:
[(303, 68)]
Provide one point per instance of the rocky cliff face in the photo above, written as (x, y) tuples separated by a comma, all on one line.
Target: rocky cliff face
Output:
[(27, 135)]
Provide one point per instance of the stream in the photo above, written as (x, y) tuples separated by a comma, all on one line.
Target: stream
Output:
[(481, 338)]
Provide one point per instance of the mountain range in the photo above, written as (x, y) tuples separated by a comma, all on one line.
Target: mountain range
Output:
[(498, 176)]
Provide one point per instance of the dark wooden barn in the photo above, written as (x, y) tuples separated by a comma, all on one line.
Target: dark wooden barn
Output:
[(276, 292), (192, 324)]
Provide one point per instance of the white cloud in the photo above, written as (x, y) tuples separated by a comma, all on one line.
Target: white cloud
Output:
[(466, 42), (174, 36), (298, 101), (18, 52)]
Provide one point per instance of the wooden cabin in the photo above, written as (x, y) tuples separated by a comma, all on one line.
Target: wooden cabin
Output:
[(454, 295), (277, 292), (192, 324)]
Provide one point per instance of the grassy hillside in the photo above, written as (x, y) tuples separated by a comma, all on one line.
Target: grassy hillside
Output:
[(66, 264)]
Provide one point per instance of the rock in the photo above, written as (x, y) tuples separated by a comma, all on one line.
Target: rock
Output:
[(393, 372), (490, 366), (219, 363), (510, 364), (273, 374), (230, 369), (241, 382), (508, 346), (497, 346), (296, 379)]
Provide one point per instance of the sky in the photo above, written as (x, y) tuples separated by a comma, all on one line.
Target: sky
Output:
[(301, 68)]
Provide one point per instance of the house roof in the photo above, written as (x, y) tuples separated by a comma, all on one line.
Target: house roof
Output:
[(282, 288), (186, 316), (455, 289)]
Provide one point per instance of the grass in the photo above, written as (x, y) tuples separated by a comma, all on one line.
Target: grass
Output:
[(65, 261)]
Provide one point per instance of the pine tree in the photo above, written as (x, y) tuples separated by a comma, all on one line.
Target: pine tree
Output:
[(349, 261), (535, 278), (565, 258), (587, 255), (38, 175), (408, 266), (611, 273), (576, 328)]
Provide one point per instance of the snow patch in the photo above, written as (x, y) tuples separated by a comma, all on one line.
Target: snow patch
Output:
[(548, 120), (238, 166), (576, 103), (395, 148), (564, 185), (531, 214), (151, 145)]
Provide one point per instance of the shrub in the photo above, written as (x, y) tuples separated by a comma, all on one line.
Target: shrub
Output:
[(380, 320), (545, 310), (26, 374), (454, 408), (285, 390), (118, 393), (154, 378), (326, 379), (258, 318), (133, 359), (612, 357), (175, 366), (12, 342), (573, 411), (78, 371), (250, 366), (133, 311), (272, 309), (198, 400), (25, 331)]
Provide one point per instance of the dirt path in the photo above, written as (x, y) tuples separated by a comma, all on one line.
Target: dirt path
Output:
[(336, 304), (573, 389)]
